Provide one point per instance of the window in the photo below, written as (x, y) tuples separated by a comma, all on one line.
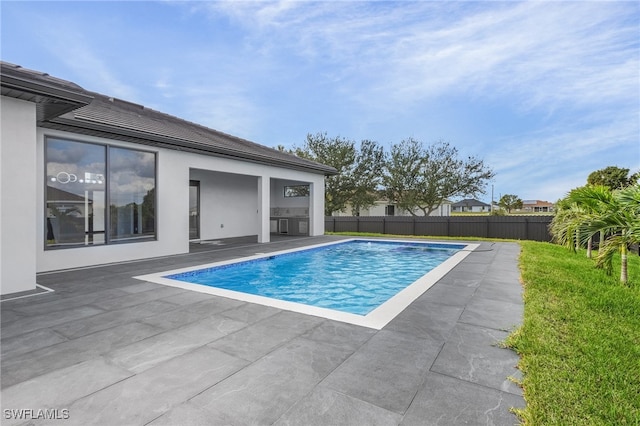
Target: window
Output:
[(83, 179), (296, 191), (390, 210), (132, 177)]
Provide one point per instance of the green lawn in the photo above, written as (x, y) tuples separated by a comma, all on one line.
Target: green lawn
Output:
[(580, 340)]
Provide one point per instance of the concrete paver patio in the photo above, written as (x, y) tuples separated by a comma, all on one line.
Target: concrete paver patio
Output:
[(107, 349)]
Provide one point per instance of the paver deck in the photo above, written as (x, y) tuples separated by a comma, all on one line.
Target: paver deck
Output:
[(107, 349)]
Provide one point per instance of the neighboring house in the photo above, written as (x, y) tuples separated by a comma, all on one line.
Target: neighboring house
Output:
[(470, 205), (536, 206), (384, 208), (88, 179)]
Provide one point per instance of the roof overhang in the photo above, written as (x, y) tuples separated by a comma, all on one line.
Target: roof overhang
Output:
[(51, 99)]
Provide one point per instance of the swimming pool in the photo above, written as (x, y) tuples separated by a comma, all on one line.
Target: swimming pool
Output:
[(364, 282)]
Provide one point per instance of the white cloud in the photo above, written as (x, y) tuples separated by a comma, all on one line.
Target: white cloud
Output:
[(549, 55), (82, 55)]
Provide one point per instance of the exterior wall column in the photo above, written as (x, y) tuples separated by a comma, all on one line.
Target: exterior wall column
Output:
[(263, 212), (18, 203), (316, 207)]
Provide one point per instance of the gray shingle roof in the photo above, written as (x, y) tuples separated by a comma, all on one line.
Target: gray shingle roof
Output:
[(96, 114), (469, 202)]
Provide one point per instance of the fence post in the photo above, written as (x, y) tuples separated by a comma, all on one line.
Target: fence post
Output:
[(384, 225)]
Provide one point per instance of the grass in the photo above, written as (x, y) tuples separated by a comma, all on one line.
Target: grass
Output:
[(580, 340)]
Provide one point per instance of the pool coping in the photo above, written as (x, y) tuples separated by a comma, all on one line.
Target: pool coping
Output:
[(375, 319)]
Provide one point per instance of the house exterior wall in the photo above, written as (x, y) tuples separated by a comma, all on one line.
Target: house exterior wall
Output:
[(313, 204), (228, 204), (537, 206), (473, 209), (293, 210), (18, 205), (278, 200), (172, 221), (234, 193)]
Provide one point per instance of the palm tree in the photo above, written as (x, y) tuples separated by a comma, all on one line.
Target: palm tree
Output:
[(567, 221), (615, 214), (591, 199)]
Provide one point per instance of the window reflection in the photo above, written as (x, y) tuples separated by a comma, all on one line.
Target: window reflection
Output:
[(296, 191), (131, 193), (77, 196), (75, 193)]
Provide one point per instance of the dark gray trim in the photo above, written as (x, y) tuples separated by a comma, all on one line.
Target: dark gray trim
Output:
[(52, 96), (37, 88)]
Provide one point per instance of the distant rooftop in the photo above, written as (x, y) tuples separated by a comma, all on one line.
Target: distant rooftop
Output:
[(469, 202)]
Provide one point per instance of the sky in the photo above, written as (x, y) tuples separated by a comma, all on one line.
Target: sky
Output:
[(543, 92)]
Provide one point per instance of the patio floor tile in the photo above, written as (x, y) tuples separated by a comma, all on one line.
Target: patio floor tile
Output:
[(174, 318), (444, 400), (474, 357), (387, 370), (146, 353), (256, 340), (426, 319), (109, 319), (492, 314), (328, 407), (28, 324), (145, 396), (65, 354), (73, 383), (191, 415), (262, 392), (23, 343)]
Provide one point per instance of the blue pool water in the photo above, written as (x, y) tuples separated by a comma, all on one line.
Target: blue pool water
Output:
[(354, 276)]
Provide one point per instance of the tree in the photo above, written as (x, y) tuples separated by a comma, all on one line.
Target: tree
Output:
[(613, 177), (358, 170), (617, 215), (583, 204), (597, 209), (564, 226), (419, 178), (367, 176), (509, 202)]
